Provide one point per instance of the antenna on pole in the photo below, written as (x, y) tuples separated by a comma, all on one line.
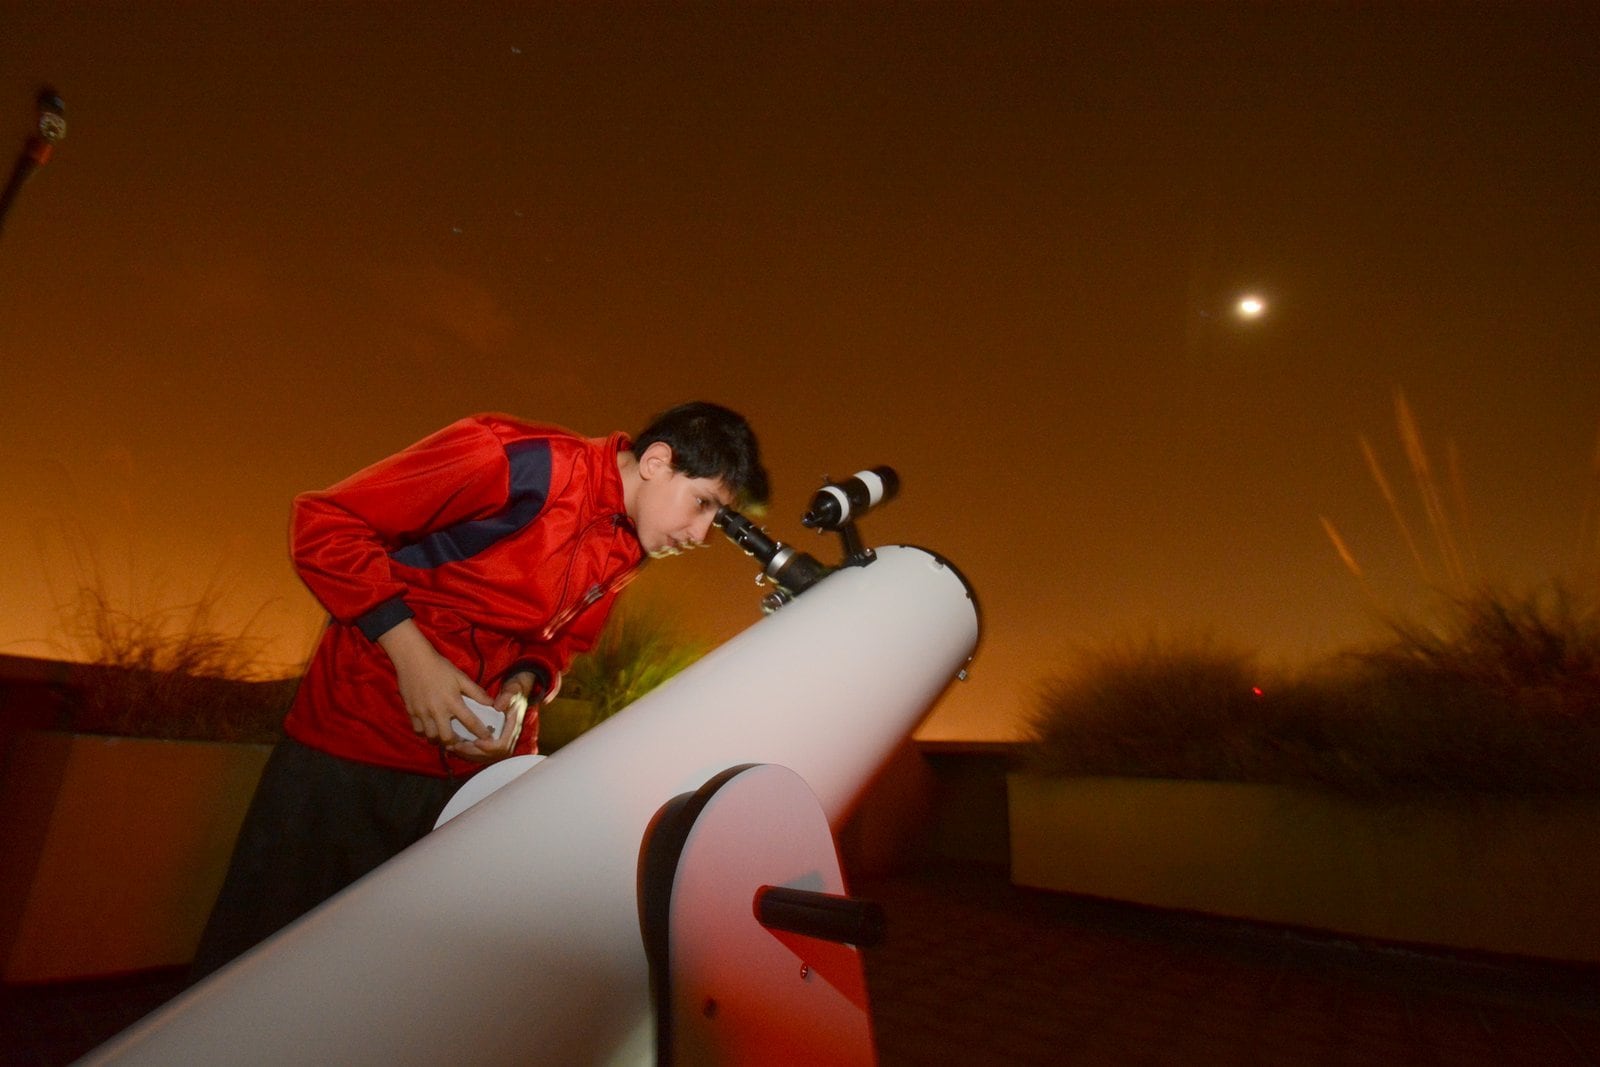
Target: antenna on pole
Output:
[(50, 130)]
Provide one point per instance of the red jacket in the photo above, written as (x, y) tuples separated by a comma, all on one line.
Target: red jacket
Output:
[(507, 543)]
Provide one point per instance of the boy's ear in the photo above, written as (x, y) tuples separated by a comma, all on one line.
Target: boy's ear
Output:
[(656, 459)]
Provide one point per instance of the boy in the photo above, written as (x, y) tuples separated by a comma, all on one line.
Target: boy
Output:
[(474, 564)]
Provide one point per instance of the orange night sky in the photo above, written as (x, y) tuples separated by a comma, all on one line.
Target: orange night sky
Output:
[(993, 245)]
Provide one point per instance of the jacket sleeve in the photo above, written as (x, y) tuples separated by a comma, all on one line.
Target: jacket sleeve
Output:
[(341, 537)]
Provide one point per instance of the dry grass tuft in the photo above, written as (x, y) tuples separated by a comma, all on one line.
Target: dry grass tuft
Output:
[(170, 674), (169, 671)]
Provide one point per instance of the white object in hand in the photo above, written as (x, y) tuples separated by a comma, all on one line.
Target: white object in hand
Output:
[(491, 718)]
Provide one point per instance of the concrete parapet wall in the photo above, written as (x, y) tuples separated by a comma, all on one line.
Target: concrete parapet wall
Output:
[(1500, 875)]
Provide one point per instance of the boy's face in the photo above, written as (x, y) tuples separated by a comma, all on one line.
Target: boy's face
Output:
[(674, 511)]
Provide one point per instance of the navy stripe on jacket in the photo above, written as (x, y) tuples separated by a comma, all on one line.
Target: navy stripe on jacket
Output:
[(530, 486)]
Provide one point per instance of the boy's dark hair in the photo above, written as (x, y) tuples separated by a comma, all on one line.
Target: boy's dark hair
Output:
[(710, 441)]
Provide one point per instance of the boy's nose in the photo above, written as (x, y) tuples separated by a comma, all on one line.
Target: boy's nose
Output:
[(702, 530)]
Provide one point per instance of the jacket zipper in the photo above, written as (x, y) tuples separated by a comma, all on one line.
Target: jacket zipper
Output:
[(561, 619)]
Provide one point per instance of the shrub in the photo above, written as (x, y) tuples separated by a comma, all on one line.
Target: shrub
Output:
[(1175, 709), (1500, 696)]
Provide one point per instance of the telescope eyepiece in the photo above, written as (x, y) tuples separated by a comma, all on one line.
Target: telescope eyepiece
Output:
[(793, 572), (746, 534)]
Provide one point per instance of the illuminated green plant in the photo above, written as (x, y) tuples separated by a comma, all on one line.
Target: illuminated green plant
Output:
[(636, 651)]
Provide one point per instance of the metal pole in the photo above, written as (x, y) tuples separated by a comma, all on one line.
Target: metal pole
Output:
[(51, 129)]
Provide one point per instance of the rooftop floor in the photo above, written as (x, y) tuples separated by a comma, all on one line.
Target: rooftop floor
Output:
[(976, 972)]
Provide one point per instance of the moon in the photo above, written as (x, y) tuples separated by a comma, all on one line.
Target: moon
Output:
[(1250, 306)]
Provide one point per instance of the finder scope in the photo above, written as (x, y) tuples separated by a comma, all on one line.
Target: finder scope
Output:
[(837, 504)]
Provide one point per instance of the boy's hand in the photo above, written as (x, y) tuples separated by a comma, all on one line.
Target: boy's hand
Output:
[(515, 697), (431, 686), (489, 751), (526, 684)]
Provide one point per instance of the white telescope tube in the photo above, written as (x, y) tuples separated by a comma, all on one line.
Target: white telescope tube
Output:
[(511, 933)]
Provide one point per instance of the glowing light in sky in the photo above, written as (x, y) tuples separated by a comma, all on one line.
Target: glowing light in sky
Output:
[(1250, 307)]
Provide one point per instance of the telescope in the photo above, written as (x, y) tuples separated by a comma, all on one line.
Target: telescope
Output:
[(664, 891)]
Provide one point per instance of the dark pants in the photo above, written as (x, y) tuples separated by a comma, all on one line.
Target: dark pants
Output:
[(316, 824)]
